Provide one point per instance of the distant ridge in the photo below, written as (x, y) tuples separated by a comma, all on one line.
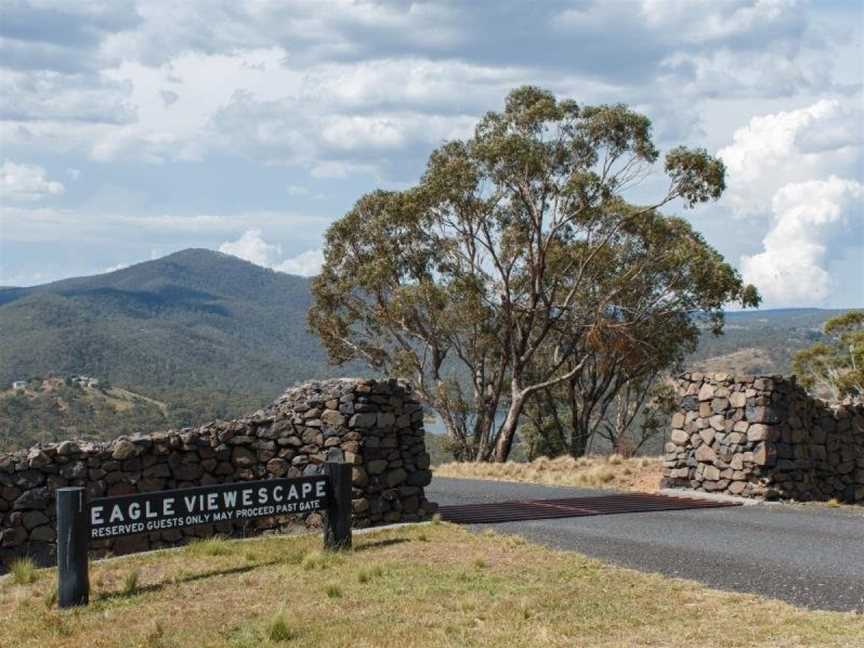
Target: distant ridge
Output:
[(213, 336)]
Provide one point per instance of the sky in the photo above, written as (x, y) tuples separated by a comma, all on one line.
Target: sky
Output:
[(130, 130)]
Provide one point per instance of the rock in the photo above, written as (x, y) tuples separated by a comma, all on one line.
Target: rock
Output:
[(35, 498), (43, 534), (332, 418), (712, 473), (757, 432), (763, 455), (707, 435), (123, 449), (66, 448), (719, 405), (13, 537), (678, 420), (705, 454), (737, 399), (277, 467), (385, 419), (679, 437), (33, 519), (395, 477), (376, 467), (706, 393), (365, 420), (737, 487), (243, 457), (36, 458), (359, 477)]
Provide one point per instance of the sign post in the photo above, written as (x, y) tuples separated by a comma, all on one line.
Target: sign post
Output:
[(73, 581), (337, 519), (78, 520)]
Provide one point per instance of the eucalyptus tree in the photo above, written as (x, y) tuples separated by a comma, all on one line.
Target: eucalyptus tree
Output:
[(490, 280), (834, 367)]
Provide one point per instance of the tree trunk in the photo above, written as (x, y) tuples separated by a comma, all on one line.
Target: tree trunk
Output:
[(508, 429)]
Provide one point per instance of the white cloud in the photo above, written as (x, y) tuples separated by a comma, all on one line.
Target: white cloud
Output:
[(698, 22), (799, 168), (306, 264), (252, 247), (790, 146), (26, 182), (810, 218)]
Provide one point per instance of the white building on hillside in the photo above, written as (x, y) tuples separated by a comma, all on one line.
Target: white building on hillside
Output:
[(18, 385)]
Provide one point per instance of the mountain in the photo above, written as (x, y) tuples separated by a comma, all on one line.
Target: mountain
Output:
[(191, 327)]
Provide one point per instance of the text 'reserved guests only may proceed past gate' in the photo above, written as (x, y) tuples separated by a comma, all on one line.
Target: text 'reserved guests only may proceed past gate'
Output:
[(79, 520)]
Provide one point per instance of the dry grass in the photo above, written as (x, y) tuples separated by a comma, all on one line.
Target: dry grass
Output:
[(23, 571), (394, 589), (637, 474)]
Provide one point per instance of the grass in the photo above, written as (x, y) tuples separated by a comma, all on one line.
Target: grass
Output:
[(637, 474), (23, 571), (215, 546), (130, 583), (394, 589)]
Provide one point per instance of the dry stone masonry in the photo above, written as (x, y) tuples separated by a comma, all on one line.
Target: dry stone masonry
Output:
[(378, 426), (764, 437)]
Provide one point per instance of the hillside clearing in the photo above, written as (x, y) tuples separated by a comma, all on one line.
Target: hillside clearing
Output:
[(636, 474), (429, 585)]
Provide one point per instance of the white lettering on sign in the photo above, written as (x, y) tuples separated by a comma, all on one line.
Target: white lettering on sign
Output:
[(156, 511), (96, 515)]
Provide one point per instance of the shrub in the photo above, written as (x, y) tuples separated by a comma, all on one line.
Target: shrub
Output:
[(23, 571), (279, 631), (130, 583)]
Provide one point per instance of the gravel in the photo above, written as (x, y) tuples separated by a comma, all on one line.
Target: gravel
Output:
[(811, 558)]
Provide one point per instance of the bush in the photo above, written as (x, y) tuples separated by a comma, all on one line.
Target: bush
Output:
[(23, 571)]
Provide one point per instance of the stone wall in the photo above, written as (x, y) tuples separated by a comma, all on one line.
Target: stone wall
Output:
[(764, 437), (377, 425)]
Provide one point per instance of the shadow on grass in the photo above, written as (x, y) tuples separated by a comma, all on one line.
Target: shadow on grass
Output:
[(378, 544), (157, 587)]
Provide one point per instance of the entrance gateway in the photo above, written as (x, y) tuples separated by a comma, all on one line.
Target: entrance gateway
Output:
[(80, 520)]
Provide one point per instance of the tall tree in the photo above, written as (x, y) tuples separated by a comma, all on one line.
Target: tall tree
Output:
[(487, 282)]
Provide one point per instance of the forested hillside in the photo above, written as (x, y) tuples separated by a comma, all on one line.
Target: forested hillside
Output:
[(196, 319)]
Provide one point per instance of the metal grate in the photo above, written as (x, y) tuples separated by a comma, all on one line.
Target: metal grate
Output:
[(572, 507)]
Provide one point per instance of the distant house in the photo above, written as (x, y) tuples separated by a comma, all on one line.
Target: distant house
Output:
[(92, 382), (18, 385)]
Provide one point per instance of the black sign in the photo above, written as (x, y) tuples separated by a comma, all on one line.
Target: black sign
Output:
[(111, 517)]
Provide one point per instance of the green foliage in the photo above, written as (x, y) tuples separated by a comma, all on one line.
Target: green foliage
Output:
[(835, 367), (516, 265)]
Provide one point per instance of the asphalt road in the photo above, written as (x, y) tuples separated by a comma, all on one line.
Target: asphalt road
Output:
[(811, 557)]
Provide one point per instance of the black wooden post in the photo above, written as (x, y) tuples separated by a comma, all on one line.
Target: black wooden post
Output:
[(337, 521), (73, 529)]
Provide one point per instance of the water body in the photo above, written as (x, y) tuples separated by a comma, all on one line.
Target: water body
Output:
[(434, 425)]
